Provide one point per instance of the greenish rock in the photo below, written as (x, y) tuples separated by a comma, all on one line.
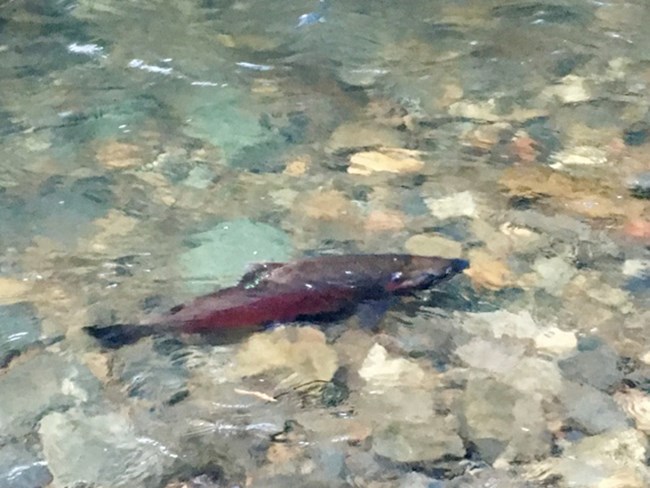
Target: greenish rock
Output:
[(222, 254), (216, 116)]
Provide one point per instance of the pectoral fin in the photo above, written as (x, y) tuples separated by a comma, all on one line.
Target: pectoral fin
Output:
[(118, 335), (370, 313)]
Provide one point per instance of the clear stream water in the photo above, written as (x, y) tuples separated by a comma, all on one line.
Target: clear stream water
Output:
[(151, 150)]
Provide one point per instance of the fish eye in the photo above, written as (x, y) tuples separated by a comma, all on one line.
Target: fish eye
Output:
[(396, 277)]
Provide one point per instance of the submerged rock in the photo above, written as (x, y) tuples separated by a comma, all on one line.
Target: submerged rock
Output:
[(382, 372), (301, 352), (458, 205), (433, 245), (503, 423), (592, 410), (636, 403), (21, 468), (19, 327), (389, 160), (150, 376), (100, 449), (572, 89), (612, 459), (412, 442), (39, 385), (220, 255), (492, 356), (488, 271), (598, 367), (554, 274), (580, 156), (362, 135), (639, 185)]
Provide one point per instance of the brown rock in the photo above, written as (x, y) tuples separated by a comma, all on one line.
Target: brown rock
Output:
[(13, 290), (302, 351), (433, 245), (390, 160), (385, 220), (297, 167), (359, 135), (584, 196), (326, 205), (487, 271), (524, 147), (119, 155), (114, 226)]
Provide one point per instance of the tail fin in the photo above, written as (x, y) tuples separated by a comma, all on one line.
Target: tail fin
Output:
[(118, 335)]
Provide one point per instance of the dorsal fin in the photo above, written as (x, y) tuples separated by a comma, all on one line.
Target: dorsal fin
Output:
[(257, 272)]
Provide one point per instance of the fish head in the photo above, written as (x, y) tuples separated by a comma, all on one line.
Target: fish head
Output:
[(422, 272)]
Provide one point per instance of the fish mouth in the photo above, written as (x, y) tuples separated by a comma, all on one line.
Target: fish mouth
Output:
[(459, 265), (429, 278)]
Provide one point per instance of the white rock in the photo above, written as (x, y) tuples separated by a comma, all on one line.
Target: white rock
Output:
[(458, 205), (636, 404), (572, 89), (614, 459), (554, 274), (645, 357), (555, 341), (579, 156), (636, 267), (382, 372)]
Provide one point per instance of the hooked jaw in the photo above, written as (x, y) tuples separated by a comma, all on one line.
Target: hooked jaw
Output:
[(418, 280), (459, 265)]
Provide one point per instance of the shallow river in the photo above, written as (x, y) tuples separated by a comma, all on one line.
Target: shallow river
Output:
[(151, 150)]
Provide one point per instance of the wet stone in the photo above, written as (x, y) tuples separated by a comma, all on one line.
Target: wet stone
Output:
[(411, 442), (46, 382), (103, 449), (488, 478), (21, 468), (592, 410), (361, 135), (597, 367), (19, 328), (503, 423), (302, 351), (215, 116), (637, 133), (612, 459), (639, 185), (554, 274), (220, 256), (458, 205), (63, 207), (159, 378)]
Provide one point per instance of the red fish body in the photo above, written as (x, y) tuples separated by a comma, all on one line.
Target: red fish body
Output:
[(284, 292)]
